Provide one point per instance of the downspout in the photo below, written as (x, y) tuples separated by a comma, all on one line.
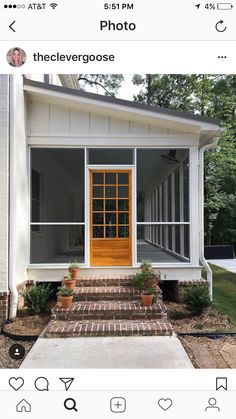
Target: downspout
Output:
[(201, 212), (12, 205)]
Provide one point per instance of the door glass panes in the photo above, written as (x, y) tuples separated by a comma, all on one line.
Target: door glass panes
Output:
[(110, 192), (98, 232), (123, 191), (98, 191), (98, 205), (110, 214), (97, 178), (123, 205), (110, 178)]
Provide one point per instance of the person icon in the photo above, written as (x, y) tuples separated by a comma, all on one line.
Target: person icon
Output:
[(17, 352), (212, 404), (16, 57)]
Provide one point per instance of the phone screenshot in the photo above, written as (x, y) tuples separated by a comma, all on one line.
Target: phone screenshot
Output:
[(117, 209)]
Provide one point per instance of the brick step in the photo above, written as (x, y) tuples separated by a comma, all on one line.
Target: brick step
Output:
[(105, 281), (105, 310), (56, 329), (106, 293)]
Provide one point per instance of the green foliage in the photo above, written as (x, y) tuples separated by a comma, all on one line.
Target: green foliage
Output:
[(149, 291), (65, 291), (146, 265), (143, 280), (109, 83), (36, 297), (196, 298), (213, 96), (74, 264)]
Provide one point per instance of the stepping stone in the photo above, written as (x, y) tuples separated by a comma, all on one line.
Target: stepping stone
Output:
[(202, 355), (228, 352)]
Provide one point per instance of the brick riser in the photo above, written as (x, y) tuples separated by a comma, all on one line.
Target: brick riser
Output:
[(108, 306), (107, 328), (106, 293), (103, 310)]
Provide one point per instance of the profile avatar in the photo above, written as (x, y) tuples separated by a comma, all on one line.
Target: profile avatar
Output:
[(16, 57)]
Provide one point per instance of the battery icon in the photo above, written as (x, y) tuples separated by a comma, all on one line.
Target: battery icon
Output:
[(224, 6)]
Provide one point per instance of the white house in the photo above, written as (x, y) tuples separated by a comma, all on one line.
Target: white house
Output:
[(105, 181)]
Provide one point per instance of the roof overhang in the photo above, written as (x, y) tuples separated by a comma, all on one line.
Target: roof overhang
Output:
[(121, 109)]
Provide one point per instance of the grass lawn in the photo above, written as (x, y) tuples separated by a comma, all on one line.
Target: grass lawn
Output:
[(224, 293)]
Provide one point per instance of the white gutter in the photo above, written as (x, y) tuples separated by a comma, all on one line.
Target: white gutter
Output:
[(12, 204), (201, 211)]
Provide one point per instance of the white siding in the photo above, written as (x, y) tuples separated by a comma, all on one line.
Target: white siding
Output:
[(53, 119), (4, 158)]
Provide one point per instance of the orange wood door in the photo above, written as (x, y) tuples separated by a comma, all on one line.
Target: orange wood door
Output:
[(110, 217)]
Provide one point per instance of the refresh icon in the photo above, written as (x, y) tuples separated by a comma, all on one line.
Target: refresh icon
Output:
[(220, 27)]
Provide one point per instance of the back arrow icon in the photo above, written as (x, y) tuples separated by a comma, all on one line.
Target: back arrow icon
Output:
[(10, 26), (218, 28)]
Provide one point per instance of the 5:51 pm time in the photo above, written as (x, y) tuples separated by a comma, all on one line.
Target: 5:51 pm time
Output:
[(119, 6)]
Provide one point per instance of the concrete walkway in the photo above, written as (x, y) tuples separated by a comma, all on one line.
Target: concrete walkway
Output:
[(228, 264), (108, 352)]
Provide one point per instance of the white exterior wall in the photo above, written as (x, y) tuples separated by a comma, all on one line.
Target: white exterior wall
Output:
[(4, 180), (19, 209), (46, 118)]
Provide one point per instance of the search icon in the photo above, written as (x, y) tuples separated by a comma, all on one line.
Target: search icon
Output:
[(70, 404)]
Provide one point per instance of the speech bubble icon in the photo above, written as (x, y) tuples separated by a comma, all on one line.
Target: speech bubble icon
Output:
[(41, 384)]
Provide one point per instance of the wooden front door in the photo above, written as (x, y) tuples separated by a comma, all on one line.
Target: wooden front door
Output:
[(110, 217)]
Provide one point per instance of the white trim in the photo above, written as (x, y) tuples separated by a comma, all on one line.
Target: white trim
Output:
[(58, 224), (173, 209), (86, 211), (181, 206), (193, 204), (135, 207), (108, 141), (163, 223)]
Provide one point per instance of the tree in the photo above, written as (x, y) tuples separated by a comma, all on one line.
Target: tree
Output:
[(109, 83), (214, 96)]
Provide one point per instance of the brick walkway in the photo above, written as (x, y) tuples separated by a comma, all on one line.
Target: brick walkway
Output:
[(108, 306)]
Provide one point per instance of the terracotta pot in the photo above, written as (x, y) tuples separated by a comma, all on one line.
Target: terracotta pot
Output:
[(69, 283), (66, 301), (74, 272), (147, 299)]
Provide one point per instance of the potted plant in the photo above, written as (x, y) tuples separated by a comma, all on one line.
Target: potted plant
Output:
[(144, 281), (146, 265), (74, 269), (147, 296), (65, 296), (69, 281)]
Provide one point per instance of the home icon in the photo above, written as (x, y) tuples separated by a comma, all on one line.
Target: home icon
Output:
[(23, 406)]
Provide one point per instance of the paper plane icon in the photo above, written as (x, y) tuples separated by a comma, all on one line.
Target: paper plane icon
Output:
[(67, 382)]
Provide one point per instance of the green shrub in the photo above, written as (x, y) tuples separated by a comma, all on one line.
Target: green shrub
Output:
[(65, 291), (36, 297), (196, 298)]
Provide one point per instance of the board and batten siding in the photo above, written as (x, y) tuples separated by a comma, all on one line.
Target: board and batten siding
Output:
[(45, 118)]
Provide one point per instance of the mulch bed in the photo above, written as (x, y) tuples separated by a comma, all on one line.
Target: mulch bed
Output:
[(183, 322), (210, 321), (24, 324)]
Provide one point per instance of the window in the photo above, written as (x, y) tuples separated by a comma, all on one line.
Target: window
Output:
[(163, 205), (57, 205)]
